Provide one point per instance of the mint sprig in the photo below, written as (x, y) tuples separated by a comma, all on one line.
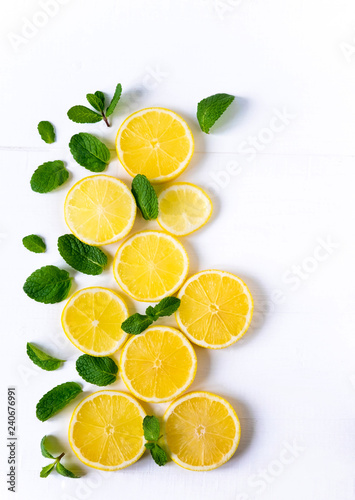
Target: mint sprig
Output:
[(49, 176), (137, 323), (48, 285), (42, 359), (97, 370), (56, 399), (56, 464), (89, 152), (34, 243), (82, 114), (46, 131), (210, 109), (151, 430), (145, 196), (81, 256)]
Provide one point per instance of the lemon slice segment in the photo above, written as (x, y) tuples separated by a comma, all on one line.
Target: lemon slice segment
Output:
[(106, 430), (100, 210), (150, 265), (158, 365), (183, 208), (216, 309), (155, 142), (92, 319), (202, 431)]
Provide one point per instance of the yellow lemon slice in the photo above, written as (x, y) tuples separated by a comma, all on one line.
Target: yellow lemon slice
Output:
[(155, 142), (158, 365), (216, 309), (99, 210), (150, 265), (202, 431), (106, 430), (183, 208), (92, 320)]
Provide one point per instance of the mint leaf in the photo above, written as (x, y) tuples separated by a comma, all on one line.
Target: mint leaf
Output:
[(48, 285), (89, 152), (82, 114), (47, 470), (97, 370), (145, 196), (166, 307), (44, 450), (46, 131), (34, 243), (42, 359), (151, 428), (136, 323), (212, 108), (65, 472), (56, 399), (49, 176), (114, 101), (159, 455), (80, 256), (95, 101), (100, 95)]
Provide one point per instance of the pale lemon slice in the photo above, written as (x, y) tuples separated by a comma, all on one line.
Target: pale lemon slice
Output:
[(216, 309), (150, 265), (183, 208), (158, 365), (99, 210), (106, 430), (202, 431), (155, 142), (92, 321)]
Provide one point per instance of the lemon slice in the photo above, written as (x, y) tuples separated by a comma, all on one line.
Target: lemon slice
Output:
[(150, 265), (158, 365), (99, 210), (106, 430), (92, 320), (216, 309), (155, 142), (202, 431), (183, 208)]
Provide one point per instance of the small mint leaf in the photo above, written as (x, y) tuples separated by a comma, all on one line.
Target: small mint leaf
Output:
[(42, 359), (44, 450), (151, 428), (48, 285), (212, 108), (136, 324), (166, 307), (114, 101), (64, 471), (34, 243), (82, 114), (56, 399), (47, 470), (95, 101), (81, 256), (159, 455), (46, 131), (89, 152), (145, 196), (97, 370), (49, 176)]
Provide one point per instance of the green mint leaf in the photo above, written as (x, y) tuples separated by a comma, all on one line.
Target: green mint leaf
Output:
[(114, 101), (151, 428), (48, 285), (47, 470), (149, 446), (95, 101), (166, 307), (42, 359), (145, 196), (100, 95), (64, 471), (136, 323), (44, 450), (82, 114), (46, 131), (89, 152), (49, 176), (159, 455), (80, 256), (34, 243), (97, 370), (56, 399), (212, 108)]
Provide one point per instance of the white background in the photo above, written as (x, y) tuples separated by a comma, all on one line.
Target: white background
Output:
[(283, 206)]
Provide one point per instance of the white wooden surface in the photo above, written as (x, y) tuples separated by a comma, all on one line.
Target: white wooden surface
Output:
[(283, 221)]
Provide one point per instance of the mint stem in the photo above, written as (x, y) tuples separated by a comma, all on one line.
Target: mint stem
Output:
[(58, 459), (105, 119)]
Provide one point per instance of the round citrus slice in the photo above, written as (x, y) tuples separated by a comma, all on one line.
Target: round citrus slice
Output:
[(183, 208), (92, 319), (106, 430), (158, 365), (216, 309), (99, 210), (150, 265), (202, 431), (155, 142)]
